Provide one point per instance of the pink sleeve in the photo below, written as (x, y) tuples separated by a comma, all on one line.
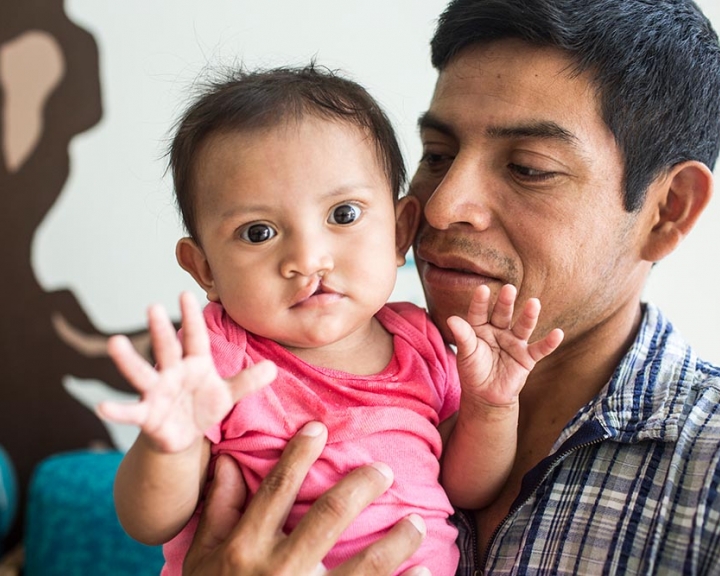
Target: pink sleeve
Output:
[(452, 379), (438, 353)]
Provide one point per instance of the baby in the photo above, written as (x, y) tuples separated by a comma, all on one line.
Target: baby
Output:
[(288, 181)]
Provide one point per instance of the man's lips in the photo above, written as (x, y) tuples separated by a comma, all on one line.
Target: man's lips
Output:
[(452, 264), (446, 279)]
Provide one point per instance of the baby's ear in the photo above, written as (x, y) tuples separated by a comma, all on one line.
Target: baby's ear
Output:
[(192, 259), (676, 199), (407, 218)]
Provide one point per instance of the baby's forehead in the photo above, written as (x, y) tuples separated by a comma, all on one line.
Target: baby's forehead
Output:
[(314, 154), (312, 130)]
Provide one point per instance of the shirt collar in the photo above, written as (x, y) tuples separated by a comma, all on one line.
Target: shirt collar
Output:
[(644, 398)]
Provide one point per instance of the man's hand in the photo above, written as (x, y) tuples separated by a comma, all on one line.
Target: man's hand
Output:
[(227, 544)]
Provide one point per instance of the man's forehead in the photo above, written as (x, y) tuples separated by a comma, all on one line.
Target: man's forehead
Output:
[(511, 89)]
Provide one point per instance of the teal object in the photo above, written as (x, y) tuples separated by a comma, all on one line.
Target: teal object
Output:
[(71, 524), (8, 495)]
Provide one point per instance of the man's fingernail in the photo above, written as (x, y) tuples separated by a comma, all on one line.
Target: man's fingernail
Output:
[(312, 429), (418, 522), (384, 469)]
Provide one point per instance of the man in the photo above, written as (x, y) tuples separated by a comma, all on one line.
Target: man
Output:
[(567, 148)]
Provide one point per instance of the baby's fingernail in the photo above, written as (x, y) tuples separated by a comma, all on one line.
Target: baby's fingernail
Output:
[(384, 469), (418, 522), (312, 429)]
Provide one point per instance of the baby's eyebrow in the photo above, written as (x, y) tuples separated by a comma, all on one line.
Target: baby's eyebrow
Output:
[(348, 189)]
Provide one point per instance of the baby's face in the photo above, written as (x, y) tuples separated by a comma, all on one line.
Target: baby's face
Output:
[(297, 226)]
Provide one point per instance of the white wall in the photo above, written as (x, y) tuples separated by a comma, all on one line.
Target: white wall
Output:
[(111, 235), (686, 284)]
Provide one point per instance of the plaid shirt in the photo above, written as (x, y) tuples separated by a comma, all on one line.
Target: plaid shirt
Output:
[(631, 486)]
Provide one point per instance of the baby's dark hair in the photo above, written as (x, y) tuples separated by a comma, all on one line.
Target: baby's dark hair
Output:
[(250, 100)]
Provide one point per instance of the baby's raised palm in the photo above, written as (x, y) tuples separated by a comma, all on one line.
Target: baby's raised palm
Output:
[(493, 354), (183, 395)]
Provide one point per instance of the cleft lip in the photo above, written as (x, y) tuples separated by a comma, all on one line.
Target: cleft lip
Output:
[(316, 287)]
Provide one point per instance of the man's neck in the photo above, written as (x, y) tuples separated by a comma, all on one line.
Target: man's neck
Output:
[(566, 381), (557, 389)]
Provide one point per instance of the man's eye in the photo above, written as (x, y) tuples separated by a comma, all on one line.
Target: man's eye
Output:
[(436, 163), (344, 214), (527, 173), (433, 159), (257, 233)]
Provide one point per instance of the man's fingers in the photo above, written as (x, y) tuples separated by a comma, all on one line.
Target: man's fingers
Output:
[(277, 493), (328, 517), (384, 556), (252, 379), (221, 512), (223, 505)]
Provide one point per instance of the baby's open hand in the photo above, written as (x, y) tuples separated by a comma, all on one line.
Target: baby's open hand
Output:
[(494, 356), (183, 395)]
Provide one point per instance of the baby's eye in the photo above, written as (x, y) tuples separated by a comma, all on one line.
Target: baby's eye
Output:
[(257, 233), (344, 214)]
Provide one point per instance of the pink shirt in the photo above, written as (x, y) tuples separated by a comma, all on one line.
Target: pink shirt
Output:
[(390, 417)]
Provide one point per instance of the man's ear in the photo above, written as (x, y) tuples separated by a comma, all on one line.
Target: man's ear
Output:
[(677, 200), (407, 218), (192, 259)]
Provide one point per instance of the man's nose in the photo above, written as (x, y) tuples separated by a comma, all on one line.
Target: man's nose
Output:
[(462, 197)]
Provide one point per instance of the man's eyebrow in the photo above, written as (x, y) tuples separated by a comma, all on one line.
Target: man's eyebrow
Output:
[(543, 129), (428, 121)]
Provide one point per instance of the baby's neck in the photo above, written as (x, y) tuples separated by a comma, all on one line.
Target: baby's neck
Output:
[(363, 353)]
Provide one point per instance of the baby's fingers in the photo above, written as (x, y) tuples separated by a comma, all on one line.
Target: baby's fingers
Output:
[(135, 413), (166, 346), (196, 341), (525, 324), (131, 364), (464, 335), (251, 379), (538, 350), (479, 309), (502, 313)]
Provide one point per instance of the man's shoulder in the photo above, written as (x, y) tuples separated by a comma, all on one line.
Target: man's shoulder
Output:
[(661, 387)]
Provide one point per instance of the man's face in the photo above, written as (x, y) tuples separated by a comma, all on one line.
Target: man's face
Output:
[(521, 182)]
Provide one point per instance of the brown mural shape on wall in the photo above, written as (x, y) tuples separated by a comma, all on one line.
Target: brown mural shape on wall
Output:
[(50, 92)]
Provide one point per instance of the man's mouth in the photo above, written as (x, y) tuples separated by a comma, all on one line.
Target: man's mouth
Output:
[(453, 264)]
